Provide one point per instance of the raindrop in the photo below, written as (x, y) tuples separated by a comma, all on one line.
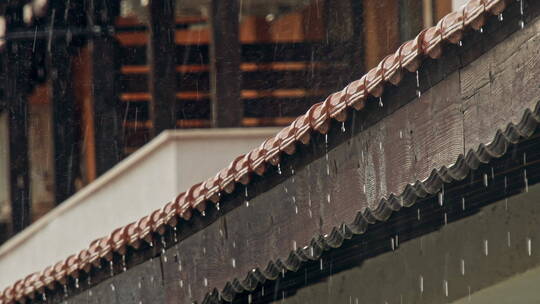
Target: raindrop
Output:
[(492, 173), (66, 290), (525, 180), (463, 203), (175, 233), (233, 262), (397, 240), (469, 288), (418, 215), (445, 288), (151, 244), (508, 242), (295, 209), (486, 251), (445, 219), (328, 198), (262, 291), (43, 297), (364, 188), (485, 180), (380, 145), (77, 283), (283, 272), (203, 213), (392, 244), (524, 158), (400, 134), (418, 92), (421, 284), (124, 266), (441, 197), (163, 246), (521, 12), (460, 43), (501, 18), (343, 127), (205, 282), (217, 207), (181, 283), (321, 264), (279, 168), (380, 102), (249, 299), (294, 245), (506, 204), (505, 183), (246, 196), (529, 246), (139, 284), (112, 287), (311, 251), (481, 30), (462, 267), (111, 266)]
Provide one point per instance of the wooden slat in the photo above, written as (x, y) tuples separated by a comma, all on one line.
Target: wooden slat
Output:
[(65, 125), (17, 86), (246, 94), (411, 19), (256, 52), (104, 69), (82, 92), (324, 78), (225, 59), (381, 30), (161, 58)]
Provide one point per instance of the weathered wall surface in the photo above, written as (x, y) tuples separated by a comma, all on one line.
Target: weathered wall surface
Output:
[(445, 265)]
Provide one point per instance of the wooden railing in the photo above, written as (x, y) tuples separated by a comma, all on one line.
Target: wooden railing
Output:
[(279, 82)]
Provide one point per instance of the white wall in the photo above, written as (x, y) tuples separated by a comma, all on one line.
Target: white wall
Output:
[(456, 4), (143, 182)]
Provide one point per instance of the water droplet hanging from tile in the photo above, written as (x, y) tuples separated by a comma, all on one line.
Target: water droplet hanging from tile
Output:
[(418, 92)]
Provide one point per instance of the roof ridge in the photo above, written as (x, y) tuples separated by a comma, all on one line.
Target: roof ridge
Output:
[(408, 56)]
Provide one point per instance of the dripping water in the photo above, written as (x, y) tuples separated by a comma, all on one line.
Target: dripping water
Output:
[(418, 92), (521, 13)]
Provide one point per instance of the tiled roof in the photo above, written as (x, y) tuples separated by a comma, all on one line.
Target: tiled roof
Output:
[(428, 43)]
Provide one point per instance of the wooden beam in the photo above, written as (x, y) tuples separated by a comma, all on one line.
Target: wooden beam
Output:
[(17, 85), (65, 125), (411, 20), (225, 59), (108, 127), (161, 59), (381, 31), (344, 36)]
